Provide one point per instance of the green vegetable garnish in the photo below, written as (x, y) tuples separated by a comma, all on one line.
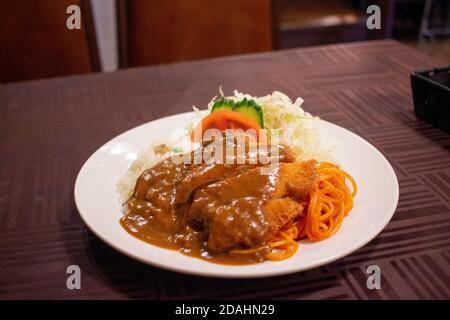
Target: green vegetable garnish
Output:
[(223, 104), (250, 109)]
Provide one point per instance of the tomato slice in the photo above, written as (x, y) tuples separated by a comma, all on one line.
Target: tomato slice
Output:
[(224, 120)]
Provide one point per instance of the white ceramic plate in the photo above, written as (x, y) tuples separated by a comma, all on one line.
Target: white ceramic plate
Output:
[(97, 201)]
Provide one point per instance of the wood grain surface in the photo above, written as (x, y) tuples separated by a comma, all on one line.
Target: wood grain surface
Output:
[(49, 128)]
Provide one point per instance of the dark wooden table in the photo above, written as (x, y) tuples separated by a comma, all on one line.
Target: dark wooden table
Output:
[(49, 128)]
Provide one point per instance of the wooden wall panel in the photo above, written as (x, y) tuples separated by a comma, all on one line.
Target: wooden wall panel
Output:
[(37, 44), (153, 32)]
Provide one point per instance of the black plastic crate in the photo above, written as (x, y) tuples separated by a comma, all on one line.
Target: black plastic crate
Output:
[(431, 94)]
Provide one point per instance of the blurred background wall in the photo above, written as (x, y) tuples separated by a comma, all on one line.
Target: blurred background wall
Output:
[(306, 23), (128, 33)]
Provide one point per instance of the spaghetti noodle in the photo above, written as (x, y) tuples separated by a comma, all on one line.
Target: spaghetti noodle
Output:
[(327, 206)]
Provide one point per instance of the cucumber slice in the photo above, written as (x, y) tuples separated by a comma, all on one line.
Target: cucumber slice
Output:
[(222, 104), (250, 109)]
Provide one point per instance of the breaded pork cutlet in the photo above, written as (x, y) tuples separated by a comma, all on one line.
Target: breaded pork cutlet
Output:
[(199, 175), (248, 209)]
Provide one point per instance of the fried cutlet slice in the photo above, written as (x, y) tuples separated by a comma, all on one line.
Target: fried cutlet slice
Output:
[(247, 229), (248, 209), (203, 174), (280, 212), (296, 180)]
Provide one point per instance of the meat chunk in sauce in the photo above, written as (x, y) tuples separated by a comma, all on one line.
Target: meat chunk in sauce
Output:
[(154, 197), (203, 174)]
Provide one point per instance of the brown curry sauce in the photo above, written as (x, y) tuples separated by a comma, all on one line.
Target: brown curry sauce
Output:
[(158, 215)]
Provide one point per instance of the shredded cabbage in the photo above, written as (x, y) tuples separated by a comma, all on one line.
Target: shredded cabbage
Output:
[(296, 127)]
